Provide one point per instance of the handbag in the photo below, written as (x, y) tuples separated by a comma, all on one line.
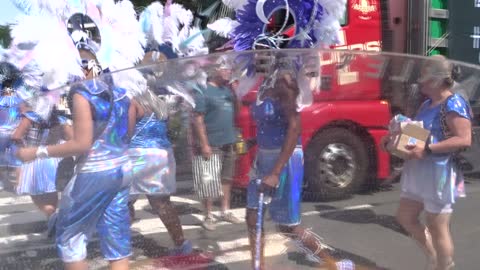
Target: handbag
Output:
[(66, 166), (457, 155)]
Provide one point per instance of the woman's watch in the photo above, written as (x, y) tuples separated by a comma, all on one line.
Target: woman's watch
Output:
[(42, 152), (427, 149)]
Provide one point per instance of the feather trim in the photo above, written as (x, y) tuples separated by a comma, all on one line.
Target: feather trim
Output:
[(235, 4), (223, 27)]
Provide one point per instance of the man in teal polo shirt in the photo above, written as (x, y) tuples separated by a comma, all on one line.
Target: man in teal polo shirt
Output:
[(215, 135)]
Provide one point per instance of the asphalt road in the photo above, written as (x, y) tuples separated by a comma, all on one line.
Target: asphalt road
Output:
[(361, 229)]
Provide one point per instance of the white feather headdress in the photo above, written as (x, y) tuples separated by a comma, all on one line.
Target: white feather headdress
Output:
[(44, 27)]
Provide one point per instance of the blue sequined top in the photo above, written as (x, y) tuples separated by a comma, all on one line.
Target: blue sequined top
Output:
[(435, 178), (271, 123), (431, 116), (9, 114), (150, 133), (109, 149)]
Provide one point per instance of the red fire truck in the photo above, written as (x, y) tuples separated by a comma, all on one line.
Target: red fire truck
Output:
[(342, 129)]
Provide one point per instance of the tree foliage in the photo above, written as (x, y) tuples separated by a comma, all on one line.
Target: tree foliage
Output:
[(5, 37)]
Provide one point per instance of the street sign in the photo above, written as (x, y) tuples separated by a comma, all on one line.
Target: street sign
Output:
[(464, 28)]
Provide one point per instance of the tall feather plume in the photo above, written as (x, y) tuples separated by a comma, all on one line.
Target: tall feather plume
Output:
[(335, 8), (26, 6), (170, 31), (326, 30), (52, 50), (181, 15), (223, 27), (194, 44), (129, 37), (173, 33), (151, 22), (59, 8), (129, 41), (235, 4)]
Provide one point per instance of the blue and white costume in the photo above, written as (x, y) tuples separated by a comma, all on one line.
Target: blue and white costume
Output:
[(9, 120), (151, 153), (153, 161), (96, 198), (38, 176), (272, 127)]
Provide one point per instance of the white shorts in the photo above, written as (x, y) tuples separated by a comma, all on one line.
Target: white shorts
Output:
[(430, 206), (153, 171)]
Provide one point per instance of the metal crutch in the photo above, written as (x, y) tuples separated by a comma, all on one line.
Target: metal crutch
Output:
[(259, 232)]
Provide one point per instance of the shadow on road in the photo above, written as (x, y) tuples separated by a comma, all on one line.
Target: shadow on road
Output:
[(361, 216)]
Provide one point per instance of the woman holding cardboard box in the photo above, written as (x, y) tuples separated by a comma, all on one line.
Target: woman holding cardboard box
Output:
[(431, 180)]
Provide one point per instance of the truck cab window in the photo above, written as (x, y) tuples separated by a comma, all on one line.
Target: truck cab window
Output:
[(344, 19)]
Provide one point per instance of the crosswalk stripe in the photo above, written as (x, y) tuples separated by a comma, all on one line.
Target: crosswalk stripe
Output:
[(13, 200), (13, 217)]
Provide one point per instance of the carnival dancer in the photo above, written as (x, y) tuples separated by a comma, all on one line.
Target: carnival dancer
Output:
[(287, 87), (151, 152), (184, 40), (96, 198), (153, 166), (10, 115), (37, 178)]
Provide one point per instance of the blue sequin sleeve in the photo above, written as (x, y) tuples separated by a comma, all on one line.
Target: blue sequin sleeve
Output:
[(459, 105), (64, 121), (33, 116)]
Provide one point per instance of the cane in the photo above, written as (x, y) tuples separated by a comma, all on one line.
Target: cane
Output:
[(259, 232)]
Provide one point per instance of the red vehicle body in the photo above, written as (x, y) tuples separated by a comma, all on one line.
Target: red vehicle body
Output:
[(347, 119)]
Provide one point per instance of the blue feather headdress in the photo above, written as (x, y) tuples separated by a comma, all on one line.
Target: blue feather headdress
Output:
[(316, 25)]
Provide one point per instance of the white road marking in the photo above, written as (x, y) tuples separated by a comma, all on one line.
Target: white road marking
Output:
[(353, 207)]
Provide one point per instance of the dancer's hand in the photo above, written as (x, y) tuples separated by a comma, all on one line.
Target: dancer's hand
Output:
[(27, 154), (415, 151), (206, 151), (269, 184)]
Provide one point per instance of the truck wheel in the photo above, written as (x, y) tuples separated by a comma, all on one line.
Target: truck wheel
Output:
[(336, 165)]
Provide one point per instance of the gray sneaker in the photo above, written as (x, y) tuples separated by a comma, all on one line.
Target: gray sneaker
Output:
[(208, 224), (229, 217)]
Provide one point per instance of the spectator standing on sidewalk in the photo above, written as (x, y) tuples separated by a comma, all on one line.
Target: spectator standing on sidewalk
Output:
[(431, 180), (215, 135)]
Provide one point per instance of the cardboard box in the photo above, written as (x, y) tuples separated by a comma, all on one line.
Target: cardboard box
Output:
[(409, 134)]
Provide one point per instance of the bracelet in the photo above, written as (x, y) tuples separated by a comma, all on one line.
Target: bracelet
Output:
[(427, 149), (41, 152)]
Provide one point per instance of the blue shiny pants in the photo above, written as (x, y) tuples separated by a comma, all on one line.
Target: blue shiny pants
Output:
[(94, 202), (285, 205)]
